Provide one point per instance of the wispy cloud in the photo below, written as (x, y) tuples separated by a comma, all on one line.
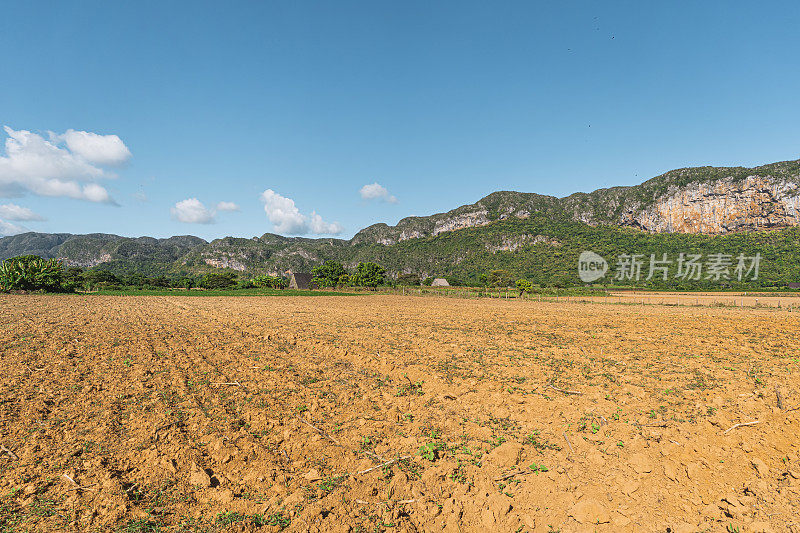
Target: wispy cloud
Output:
[(7, 229), (286, 218), (17, 212), (376, 191), (227, 206), (192, 211), (67, 165)]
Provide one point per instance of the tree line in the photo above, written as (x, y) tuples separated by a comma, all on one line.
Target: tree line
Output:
[(33, 273)]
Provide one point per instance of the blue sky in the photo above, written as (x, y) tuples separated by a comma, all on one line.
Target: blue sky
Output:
[(295, 106)]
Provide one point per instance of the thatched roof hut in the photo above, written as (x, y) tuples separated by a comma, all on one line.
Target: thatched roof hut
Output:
[(440, 282), (301, 280)]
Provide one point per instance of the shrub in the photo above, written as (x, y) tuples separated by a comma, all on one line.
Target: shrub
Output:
[(524, 286), (98, 278), (73, 279), (499, 278), (329, 274), (31, 273), (408, 279), (218, 280), (269, 282), (186, 283), (369, 275)]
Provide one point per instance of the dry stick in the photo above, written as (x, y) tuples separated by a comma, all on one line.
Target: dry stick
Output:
[(321, 432), (511, 474), (229, 383), (75, 486), (9, 452), (740, 425), (165, 426), (387, 463), (550, 385), (780, 397), (568, 442), (373, 456)]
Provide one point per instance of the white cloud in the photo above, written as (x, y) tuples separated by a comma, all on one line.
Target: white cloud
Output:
[(227, 206), (140, 196), (192, 211), (283, 214), (43, 167), (376, 191), (286, 217), (17, 212), (319, 226), (7, 229), (94, 148)]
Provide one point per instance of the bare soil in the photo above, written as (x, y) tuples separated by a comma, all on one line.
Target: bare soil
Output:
[(391, 413)]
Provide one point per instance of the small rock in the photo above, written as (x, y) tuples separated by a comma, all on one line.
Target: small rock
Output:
[(670, 471), (630, 487), (199, 477), (761, 467), (312, 475), (224, 496), (293, 499), (590, 511), (620, 520), (505, 455), (640, 463), (732, 499), (711, 510), (529, 521), (693, 470), (499, 504), (759, 527)]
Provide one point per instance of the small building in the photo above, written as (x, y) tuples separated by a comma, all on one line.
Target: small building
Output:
[(440, 282), (301, 280), (794, 285)]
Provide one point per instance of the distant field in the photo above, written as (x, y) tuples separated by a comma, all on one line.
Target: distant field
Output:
[(222, 292), (785, 300), (394, 413), (729, 299)]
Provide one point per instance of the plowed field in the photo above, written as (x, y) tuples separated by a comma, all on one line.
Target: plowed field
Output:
[(391, 413)]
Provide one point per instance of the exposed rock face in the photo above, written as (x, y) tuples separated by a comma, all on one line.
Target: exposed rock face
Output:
[(514, 243), (225, 262), (720, 207), (86, 262), (461, 221)]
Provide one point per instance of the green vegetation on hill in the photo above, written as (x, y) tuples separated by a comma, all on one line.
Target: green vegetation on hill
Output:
[(529, 236)]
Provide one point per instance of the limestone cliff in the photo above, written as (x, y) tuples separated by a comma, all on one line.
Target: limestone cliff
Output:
[(723, 206), (710, 200)]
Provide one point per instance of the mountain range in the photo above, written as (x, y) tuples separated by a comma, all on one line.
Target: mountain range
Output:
[(701, 209)]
